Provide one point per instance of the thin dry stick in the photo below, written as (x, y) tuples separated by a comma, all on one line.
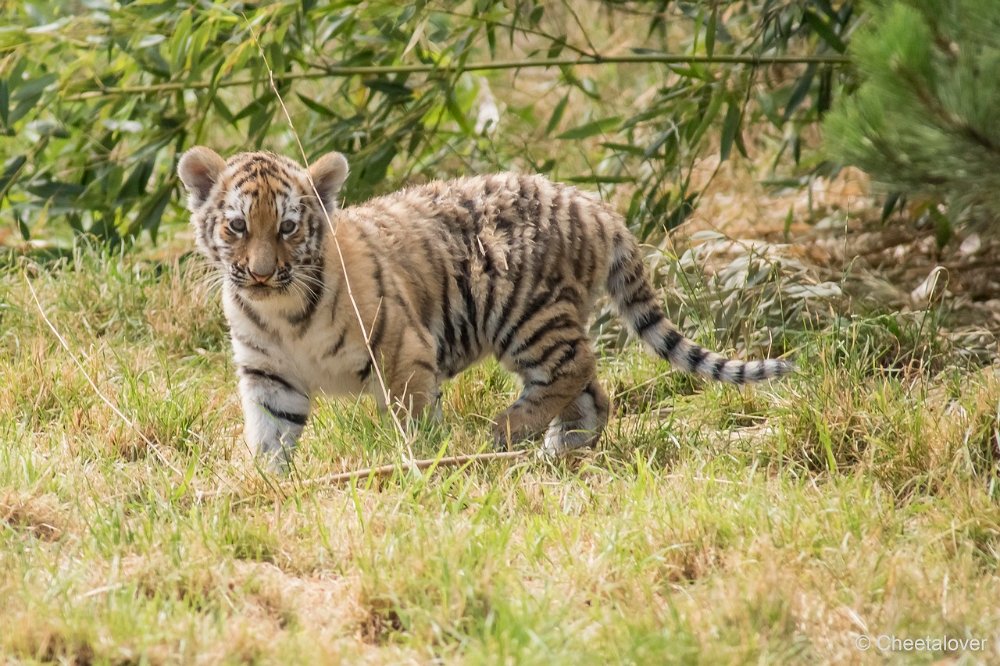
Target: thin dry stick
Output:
[(386, 470)]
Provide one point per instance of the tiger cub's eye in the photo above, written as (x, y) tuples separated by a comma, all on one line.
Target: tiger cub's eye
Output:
[(238, 225), (287, 227)]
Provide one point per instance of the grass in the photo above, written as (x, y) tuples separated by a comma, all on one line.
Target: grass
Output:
[(776, 523)]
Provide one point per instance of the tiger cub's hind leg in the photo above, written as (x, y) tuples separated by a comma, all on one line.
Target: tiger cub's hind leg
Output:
[(581, 423), (413, 382), (554, 376)]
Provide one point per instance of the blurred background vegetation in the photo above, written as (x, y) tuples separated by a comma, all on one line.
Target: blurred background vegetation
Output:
[(924, 120), (98, 99)]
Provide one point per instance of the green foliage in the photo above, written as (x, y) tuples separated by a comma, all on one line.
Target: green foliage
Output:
[(924, 120), (98, 98)]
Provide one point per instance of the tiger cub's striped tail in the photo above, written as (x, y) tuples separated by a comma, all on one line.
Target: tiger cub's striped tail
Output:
[(635, 300)]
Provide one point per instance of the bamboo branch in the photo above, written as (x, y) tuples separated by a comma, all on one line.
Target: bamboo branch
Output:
[(520, 28), (375, 70)]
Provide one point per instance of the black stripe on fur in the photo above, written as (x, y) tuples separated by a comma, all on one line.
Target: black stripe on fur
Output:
[(297, 419)]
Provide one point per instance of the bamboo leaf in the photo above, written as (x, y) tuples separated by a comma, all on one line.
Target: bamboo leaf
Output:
[(4, 103), (591, 129), (557, 114), (730, 127), (624, 148), (11, 168), (824, 30), (316, 106), (223, 110), (451, 104), (893, 201), (33, 88), (556, 48), (710, 32), (714, 106), (22, 227), (390, 88), (491, 38), (825, 95), (60, 192), (599, 179), (151, 213), (418, 32), (799, 92), (260, 120)]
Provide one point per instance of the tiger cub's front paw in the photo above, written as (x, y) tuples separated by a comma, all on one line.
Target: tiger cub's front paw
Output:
[(274, 459)]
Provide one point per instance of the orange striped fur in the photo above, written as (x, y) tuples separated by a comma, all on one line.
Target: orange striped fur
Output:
[(443, 275)]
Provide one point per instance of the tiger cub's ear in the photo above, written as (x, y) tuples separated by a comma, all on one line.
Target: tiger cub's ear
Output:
[(199, 169), (328, 174)]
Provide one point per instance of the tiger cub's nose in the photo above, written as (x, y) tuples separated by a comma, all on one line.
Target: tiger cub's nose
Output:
[(259, 277)]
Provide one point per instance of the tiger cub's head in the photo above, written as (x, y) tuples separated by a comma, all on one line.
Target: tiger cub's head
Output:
[(257, 218)]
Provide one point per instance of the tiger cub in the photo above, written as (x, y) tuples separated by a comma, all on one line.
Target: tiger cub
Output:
[(431, 279)]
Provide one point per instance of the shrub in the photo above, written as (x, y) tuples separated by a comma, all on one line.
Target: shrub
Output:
[(97, 99), (924, 119)]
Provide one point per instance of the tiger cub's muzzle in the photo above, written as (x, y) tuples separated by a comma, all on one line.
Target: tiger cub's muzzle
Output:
[(247, 279)]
